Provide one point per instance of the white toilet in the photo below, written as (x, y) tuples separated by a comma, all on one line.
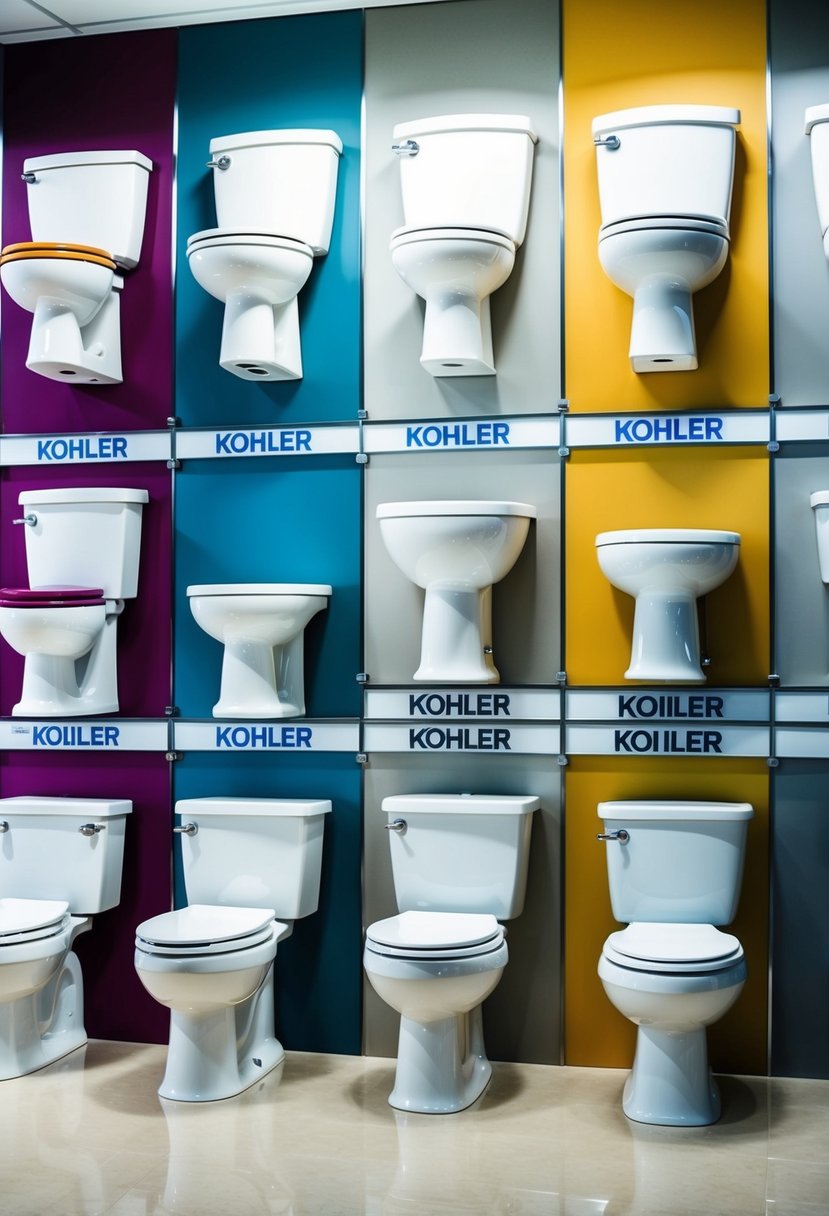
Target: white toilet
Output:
[(817, 128), (465, 181), (665, 180), (247, 862), (455, 550), (82, 553), (86, 211), (675, 870), (262, 629), (275, 193), (819, 502), (60, 863), (459, 863), (666, 570)]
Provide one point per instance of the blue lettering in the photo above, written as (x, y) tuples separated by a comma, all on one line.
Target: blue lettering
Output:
[(672, 429)]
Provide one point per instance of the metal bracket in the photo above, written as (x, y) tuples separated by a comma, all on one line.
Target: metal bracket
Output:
[(171, 756), (362, 677)]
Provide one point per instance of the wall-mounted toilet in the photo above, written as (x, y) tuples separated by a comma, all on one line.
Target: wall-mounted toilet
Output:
[(251, 868), (455, 550), (86, 211), (665, 180), (465, 181), (262, 629), (459, 863), (666, 570), (817, 128), (819, 502), (60, 863), (675, 870), (275, 194), (82, 553)]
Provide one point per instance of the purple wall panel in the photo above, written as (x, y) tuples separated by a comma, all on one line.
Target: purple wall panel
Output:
[(116, 91)]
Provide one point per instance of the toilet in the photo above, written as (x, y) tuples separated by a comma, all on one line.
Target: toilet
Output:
[(455, 550), (459, 863), (275, 194), (665, 180), (675, 870), (82, 553), (817, 128), (819, 502), (262, 629), (87, 212), (666, 570), (251, 868), (465, 181), (60, 864)]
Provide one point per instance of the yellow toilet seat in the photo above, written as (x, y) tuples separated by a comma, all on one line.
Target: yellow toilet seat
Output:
[(23, 250)]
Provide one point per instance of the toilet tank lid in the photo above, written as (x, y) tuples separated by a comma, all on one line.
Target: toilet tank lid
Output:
[(68, 160), (668, 536), (297, 808), (83, 494), (258, 139), (98, 808), (816, 114), (654, 116), (674, 810), (460, 804), (397, 510), (445, 123)]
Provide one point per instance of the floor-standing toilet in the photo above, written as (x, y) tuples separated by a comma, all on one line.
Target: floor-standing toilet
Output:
[(82, 552), (665, 180), (455, 551), (465, 181), (817, 128), (86, 211), (675, 870), (262, 629), (667, 570), (60, 864), (251, 868), (459, 863), (275, 193)]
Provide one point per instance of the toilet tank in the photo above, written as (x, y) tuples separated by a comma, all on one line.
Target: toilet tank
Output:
[(254, 852), (470, 171), (670, 160), (460, 852), (279, 182), (90, 198), (84, 537), (817, 128), (45, 854), (682, 864)]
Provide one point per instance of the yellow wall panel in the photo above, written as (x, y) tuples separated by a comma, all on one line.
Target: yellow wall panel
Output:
[(667, 488), (647, 53), (596, 1034)]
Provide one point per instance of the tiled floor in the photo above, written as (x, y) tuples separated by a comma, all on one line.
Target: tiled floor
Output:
[(90, 1135)]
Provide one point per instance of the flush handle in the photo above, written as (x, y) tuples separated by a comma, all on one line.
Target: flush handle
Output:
[(622, 835), (28, 178), (410, 148), (397, 825), (4, 825), (91, 829), (31, 520), (187, 829), (611, 142), (222, 163)]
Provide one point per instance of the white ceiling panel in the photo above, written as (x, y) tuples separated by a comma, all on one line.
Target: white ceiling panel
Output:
[(18, 16)]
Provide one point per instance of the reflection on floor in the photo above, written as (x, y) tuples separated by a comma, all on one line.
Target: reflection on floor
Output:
[(89, 1135)]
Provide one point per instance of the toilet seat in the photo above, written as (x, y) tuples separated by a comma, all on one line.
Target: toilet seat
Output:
[(27, 920), (260, 589), (435, 935), (668, 536), (51, 597), (210, 237), (672, 949), (710, 224), (23, 250), (491, 236), (203, 929)]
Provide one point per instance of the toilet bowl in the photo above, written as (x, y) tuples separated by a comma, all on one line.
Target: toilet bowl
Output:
[(674, 873), (817, 128), (91, 207), (455, 550), (465, 182), (665, 181), (212, 964), (275, 193), (438, 959), (666, 570), (262, 629)]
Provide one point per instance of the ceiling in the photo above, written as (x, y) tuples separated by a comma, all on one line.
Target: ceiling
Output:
[(31, 20)]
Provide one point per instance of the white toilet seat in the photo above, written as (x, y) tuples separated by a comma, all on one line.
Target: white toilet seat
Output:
[(673, 949), (210, 237), (435, 935), (204, 929), (260, 589), (711, 224), (491, 236), (668, 536), (27, 920)]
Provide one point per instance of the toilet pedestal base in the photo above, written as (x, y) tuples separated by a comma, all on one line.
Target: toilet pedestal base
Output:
[(441, 1066), (457, 336), (456, 637), (666, 647), (662, 333), (60, 350), (24, 1044), (671, 1083), (260, 338)]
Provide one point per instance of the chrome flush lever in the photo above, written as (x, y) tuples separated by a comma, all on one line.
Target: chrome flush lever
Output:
[(187, 829), (4, 825), (31, 520), (222, 163), (91, 829), (28, 178), (611, 142), (396, 825), (621, 835), (410, 148)]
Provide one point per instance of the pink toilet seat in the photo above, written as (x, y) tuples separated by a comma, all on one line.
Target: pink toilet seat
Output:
[(51, 597)]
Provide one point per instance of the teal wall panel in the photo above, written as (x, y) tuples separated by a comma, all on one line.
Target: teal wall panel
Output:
[(261, 75)]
